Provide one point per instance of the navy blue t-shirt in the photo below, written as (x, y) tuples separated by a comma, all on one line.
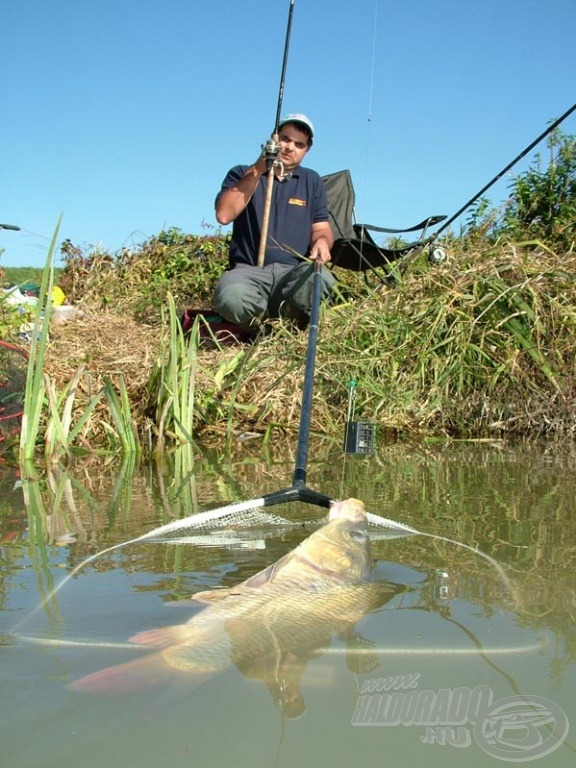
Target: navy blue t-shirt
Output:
[(297, 202)]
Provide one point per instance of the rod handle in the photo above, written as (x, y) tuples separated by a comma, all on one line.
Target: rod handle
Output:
[(266, 216)]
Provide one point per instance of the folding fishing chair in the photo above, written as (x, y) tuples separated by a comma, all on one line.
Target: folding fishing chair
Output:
[(354, 247)]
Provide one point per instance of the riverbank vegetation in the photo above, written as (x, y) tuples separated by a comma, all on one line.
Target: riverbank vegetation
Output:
[(482, 344)]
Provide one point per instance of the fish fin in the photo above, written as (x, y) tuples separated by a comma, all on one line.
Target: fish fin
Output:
[(161, 637), (187, 603), (138, 675), (262, 578), (212, 595)]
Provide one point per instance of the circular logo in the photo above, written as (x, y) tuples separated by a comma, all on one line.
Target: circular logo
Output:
[(521, 728)]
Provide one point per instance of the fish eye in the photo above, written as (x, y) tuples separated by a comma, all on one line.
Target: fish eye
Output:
[(356, 533)]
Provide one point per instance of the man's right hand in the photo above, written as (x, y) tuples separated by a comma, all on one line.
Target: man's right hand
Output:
[(260, 166), (232, 201), (270, 151)]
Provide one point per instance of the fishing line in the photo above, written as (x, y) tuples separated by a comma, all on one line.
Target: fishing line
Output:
[(368, 142), (382, 521), (373, 67)]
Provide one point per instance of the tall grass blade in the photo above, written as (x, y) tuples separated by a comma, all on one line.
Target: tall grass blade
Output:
[(121, 416), (60, 434), (175, 398), (34, 395)]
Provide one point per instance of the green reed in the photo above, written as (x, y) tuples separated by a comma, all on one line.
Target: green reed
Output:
[(43, 400), (181, 405), (35, 391), (61, 434), (173, 381), (125, 433)]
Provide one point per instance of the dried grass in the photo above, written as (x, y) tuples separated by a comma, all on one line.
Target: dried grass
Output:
[(108, 344)]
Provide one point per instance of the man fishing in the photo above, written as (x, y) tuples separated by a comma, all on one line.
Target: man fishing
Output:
[(248, 294)]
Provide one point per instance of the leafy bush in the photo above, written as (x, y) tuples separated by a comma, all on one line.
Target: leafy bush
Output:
[(187, 266), (541, 206), (138, 281)]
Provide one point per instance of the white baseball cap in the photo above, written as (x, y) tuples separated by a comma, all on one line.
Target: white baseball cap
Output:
[(298, 118)]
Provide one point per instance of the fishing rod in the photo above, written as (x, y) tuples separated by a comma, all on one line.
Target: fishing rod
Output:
[(271, 148), (498, 176)]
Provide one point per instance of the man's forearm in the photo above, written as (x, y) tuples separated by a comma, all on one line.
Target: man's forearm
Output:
[(321, 241), (232, 201), (322, 236)]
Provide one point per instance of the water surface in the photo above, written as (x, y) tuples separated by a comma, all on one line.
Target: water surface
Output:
[(451, 632)]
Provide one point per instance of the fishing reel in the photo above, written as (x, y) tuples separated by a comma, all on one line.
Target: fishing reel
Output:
[(436, 255), (270, 151)]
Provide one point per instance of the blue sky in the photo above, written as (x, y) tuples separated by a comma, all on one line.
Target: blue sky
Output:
[(125, 115)]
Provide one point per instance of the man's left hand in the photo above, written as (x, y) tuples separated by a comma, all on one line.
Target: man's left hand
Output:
[(320, 251)]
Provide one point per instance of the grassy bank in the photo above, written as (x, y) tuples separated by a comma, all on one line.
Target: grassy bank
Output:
[(480, 345)]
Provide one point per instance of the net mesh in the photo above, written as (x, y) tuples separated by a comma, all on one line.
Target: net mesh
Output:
[(248, 516), (245, 515), (238, 517), (247, 523)]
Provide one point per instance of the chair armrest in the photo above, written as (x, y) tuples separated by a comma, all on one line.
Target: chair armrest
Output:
[(431, 221)]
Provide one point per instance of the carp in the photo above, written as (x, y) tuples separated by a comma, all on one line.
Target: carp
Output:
[(268, 626)]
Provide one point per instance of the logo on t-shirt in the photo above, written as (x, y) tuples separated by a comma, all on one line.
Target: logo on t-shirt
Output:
[(297, 201)]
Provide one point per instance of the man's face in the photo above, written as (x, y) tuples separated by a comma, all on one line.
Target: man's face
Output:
[(293, 146)]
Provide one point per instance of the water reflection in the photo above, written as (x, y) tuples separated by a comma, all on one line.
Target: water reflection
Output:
[(447, 615)]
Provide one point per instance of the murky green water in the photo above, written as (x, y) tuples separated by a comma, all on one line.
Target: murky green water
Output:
[(458, 661)]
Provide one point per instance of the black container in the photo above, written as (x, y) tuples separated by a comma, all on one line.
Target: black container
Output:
[(360, 437)]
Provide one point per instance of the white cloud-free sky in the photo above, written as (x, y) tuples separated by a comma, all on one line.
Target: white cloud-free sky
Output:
[(124, 115)]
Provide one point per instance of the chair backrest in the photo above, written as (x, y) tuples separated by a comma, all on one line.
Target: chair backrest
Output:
[(341, 201)]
